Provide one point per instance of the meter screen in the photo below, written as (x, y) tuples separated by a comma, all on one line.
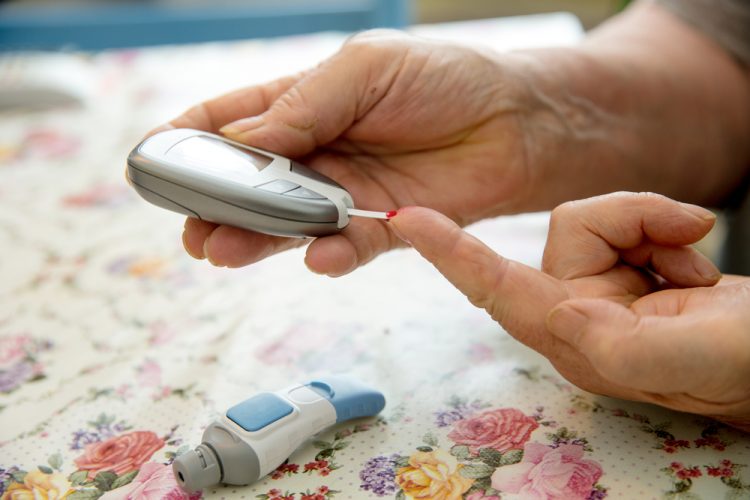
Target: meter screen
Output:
[(217, 157)]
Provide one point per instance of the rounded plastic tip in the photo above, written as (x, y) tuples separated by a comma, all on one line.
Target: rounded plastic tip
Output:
[(197, 469)]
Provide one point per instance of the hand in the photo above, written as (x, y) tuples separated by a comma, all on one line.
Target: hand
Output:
[(394, 119), (622, 306)]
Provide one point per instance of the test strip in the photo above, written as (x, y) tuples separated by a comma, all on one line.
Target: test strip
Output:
[(370, 214)]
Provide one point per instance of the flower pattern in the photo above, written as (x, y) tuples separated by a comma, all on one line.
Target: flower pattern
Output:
[(19, 360), (119, 454), (502, 429), (432, 474), (38, 485), (154, 481), (546, 472), (117, 349)]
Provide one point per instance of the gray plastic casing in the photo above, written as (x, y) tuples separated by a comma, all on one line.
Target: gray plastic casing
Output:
[(222, 457), (237, 201)]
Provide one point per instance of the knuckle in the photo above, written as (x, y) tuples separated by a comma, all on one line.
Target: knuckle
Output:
[(564, 212), (296, 109), (374, 36), (199, 114), (650, 196)]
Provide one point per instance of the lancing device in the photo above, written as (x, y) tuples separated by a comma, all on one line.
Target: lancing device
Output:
[(254, 437), (209, 177)]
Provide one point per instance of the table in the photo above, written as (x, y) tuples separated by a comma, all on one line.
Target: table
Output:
[(117, 349)]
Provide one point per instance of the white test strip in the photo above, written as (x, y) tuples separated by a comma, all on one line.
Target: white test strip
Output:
[(368, 213)]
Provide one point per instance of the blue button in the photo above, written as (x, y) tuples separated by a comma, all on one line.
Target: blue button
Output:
[(259, 411), (322, 388)]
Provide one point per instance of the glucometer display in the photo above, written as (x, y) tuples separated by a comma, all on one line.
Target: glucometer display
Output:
[(207, 154), (208, 177)]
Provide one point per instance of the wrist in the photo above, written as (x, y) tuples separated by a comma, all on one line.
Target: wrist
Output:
[(575, 142)]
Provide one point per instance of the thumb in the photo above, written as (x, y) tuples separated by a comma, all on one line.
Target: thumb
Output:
[(516, 296), (320, 106), (658, 354)]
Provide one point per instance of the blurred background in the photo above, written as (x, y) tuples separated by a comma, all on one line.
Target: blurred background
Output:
[(590, 12), (100, 24)]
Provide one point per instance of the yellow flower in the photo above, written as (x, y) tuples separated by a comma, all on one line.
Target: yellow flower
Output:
[(39, 486), (435, 474)]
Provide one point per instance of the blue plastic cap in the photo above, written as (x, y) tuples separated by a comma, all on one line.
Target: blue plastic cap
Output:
[(350, 397)]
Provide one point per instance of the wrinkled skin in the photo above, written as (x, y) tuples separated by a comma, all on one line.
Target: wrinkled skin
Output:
[(378, 137), (623, 306)]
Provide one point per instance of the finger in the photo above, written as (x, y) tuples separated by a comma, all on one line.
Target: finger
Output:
[(194, 236), (655, 354), (357, 245), (228, 246), (211, 115), (516, 296), (681, 266), (586, 236), (320, 106)]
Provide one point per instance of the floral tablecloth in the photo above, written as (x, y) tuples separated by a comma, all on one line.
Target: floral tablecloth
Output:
[(117, 349)]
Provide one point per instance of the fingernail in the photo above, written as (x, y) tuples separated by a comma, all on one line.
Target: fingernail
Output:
[(706, 269), (567, 323), (700, 212), (398, 233), (242, 125)]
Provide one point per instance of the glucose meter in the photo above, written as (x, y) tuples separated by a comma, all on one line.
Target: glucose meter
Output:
[(255, 436), (209, 177)]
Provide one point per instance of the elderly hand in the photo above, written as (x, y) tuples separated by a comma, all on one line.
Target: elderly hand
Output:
[(394, 119), (622, 307)]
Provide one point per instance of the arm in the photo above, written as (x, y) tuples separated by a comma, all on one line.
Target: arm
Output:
[(645, 103)]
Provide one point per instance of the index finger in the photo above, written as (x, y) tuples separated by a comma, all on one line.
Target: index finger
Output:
[(213, 114), (515, 295)]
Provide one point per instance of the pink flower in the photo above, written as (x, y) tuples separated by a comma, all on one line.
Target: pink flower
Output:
[(13, 349), (549, 473), (149, 374), (479, 495), (161, 333), (48, 144), (502, 429), (99, 195), (322, 490), (154, 482), (120, 454)]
